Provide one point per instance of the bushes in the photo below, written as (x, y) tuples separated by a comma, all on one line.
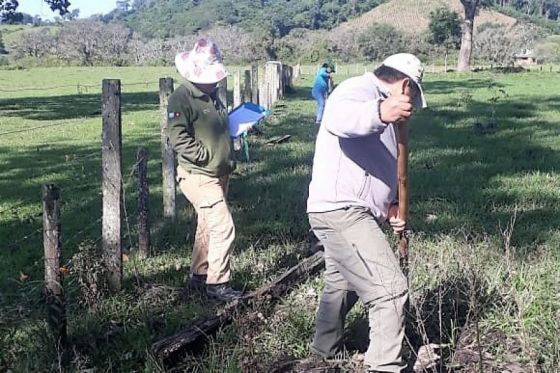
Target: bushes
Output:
[(380, 41), (499, 44), (548, 50), (89, 42)]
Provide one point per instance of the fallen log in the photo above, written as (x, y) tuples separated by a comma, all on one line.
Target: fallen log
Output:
[(201, 329)]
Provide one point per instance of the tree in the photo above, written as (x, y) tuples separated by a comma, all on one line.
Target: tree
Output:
[(8, 8), (470, 6), (444, 30), (549, 49), (2, 46), (380, 41), (33, 44), (123, 6), (70, 16), (142, 4), (91, 41)]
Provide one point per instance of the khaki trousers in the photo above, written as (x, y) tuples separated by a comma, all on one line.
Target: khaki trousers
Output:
[(360, 263), (215, 230)]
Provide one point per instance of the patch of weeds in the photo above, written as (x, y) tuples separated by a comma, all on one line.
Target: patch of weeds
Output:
[(89, 276)]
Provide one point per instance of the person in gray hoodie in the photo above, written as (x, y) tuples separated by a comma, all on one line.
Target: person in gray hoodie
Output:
[(352, 192)]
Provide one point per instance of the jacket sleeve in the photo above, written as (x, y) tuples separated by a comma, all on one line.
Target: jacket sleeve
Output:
[(181, 134), (349, 117)]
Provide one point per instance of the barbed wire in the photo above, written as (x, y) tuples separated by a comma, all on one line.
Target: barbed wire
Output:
[(34, 89), (70, 240), (78, 86), (69, 190), (13, 244), (41, 127)]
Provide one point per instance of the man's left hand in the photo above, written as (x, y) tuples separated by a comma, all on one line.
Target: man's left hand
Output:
[(394, 220)]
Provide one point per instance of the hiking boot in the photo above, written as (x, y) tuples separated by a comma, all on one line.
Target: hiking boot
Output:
[(196, 285), (223, 292)]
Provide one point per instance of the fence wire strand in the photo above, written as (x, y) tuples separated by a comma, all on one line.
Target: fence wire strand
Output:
[(78, 86)]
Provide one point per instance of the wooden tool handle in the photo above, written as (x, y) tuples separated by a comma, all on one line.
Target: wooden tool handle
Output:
[(402, 167)]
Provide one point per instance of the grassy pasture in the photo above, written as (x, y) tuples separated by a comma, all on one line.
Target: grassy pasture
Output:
[(485, 247)]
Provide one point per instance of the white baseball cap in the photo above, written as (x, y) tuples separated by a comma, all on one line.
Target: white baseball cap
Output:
[(411, 66)]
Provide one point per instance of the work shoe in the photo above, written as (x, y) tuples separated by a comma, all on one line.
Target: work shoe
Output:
[(196, 285), (223, 292)]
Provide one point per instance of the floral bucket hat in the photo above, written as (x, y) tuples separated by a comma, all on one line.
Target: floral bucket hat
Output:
[(203, 64)]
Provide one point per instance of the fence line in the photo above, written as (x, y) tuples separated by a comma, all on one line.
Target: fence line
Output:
[(24, 238), (280, 78), (86, 229), (39, 127), (77, 86), (64, 211)]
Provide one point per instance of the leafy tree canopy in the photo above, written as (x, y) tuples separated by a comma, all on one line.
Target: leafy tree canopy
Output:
[(168, 18), (445, 28), (8, 8), (380, 41)]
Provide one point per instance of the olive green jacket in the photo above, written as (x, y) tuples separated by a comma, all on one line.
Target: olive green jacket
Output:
[(198, 129)]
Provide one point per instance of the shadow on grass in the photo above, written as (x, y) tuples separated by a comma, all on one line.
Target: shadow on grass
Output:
[(73, 106), (446, 86), (464, 177)]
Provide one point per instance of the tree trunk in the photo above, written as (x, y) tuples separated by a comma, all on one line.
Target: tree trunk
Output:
[(464, 63), (446, 55)]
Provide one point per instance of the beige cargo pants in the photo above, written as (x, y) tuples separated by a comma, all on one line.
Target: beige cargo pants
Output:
[(360, 264), (215, 230)]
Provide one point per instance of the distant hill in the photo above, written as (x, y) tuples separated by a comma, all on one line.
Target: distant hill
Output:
[(168, 18), (413, 16)]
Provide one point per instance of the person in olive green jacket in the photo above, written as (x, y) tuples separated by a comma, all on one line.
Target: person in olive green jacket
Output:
[(199, 132)]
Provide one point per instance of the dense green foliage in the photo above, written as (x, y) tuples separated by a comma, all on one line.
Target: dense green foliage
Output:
[(380, 41), (168, 18), (549, 49), (445, 28), (2, 46), (549, 9), (552, 26), (9, 13)]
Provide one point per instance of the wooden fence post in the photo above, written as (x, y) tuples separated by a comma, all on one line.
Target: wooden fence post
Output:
[(54, 293), (262, 94), (143, 203), (222, 92), (112, 183), (255, 84), (268, 85), (167, 154), (271, 83), (236, 89), (288, 78), (247, 89), (297, 72), (280, 89)]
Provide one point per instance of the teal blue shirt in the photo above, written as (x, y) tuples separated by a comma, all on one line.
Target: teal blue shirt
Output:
[(321, 82)]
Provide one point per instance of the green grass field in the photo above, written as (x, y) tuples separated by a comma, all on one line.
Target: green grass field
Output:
[(485, 251)]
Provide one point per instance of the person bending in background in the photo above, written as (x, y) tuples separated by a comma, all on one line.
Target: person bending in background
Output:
[(199, 132), (322, 86)]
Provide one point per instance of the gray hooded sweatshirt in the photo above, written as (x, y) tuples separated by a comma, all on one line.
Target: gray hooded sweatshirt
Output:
[(355, 161)]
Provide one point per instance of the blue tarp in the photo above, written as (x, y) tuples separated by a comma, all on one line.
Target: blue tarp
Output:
[(244, 117)]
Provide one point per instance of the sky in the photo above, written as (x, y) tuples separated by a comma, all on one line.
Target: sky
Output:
[(87, 7)]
